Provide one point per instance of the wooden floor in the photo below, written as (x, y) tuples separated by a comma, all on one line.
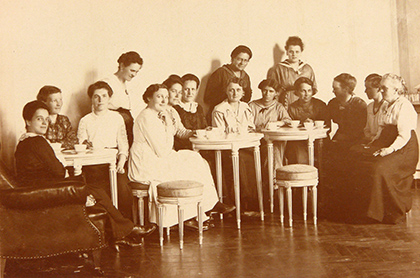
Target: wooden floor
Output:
[(266, 249)]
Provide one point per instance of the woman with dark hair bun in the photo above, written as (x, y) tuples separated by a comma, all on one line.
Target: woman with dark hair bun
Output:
[(289, 70), (129, 64), (219, 79)]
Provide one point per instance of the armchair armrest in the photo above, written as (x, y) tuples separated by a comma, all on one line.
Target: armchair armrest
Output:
[(30, 198)]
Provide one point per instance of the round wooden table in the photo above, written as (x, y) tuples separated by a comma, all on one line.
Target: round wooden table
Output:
[(234, 143), (289, 134)]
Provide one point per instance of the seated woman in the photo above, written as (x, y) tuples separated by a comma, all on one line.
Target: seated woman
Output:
[(59, 127), (153, 159), (376, 109), (191, 113), (306, 108), (268, 109), (383, 171), (174, 85), (37, 165), (129, 64), (348, 112), (235, 117)]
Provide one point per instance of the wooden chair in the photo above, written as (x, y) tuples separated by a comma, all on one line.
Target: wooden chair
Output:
[(140, 191)]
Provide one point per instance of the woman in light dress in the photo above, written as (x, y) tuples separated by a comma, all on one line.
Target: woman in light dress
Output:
[(153, 159)]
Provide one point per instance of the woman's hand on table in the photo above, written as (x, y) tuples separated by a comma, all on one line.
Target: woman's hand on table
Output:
[(120, 166)]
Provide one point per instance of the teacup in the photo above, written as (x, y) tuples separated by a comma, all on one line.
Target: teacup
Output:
[(80, 148), (294, 123), (201, 133), (308, 125), (272, 126), (56, 146), (319, 124)]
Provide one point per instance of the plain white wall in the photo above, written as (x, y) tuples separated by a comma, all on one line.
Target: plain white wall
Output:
[(71, 44)]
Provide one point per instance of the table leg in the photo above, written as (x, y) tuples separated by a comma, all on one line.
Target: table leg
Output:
[(236, 185), (311, 150), (219, 177), (257, 161), (271, 174), (113, 182)]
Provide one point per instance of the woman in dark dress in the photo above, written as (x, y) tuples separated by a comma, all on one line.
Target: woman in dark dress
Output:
[(37, 165), (383, 170)]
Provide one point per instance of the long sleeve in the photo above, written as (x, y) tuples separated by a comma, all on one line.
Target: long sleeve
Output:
[(218, 119), (82, 133), (214, 92), (122, 140), (247, 89), (406, 118)]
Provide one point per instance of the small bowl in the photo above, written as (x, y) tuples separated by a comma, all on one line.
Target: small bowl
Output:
[(319, 124), (79, 148), (294, 123), (201, 133)]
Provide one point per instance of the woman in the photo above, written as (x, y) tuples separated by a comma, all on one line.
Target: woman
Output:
[(384, 171), (153, 159), (306, 108), (37, 165), (268, 109), (235, 117), (59, 126), (218, 81), (288, 71), (103, 128), (129, 64), (191, 113), (376, 109), (348, 111), (174, 85)]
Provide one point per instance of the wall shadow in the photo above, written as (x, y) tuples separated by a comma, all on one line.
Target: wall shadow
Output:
[(277, 54), (215, 64)]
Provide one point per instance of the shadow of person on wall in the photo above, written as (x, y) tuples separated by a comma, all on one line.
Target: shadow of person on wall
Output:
[(215, 64), (277, 54)]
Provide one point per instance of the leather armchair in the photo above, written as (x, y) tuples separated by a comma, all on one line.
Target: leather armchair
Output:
[(45, 222)]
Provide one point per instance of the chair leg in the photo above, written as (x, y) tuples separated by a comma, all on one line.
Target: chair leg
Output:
[(281, 203), (2, 267), (305, 202), (314, 202), (181, 226), (160, 214), (289, 203), (134, 214), (141, 211), (200, 224)]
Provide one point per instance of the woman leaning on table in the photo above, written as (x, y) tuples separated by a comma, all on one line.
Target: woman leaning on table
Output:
[(153, 159), (289, 70), (384, 168)]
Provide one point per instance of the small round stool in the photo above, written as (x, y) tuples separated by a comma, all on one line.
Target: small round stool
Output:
[(297, 175), (140, 190), (180, 193)]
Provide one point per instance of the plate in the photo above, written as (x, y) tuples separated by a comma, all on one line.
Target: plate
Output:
[(69, 151)]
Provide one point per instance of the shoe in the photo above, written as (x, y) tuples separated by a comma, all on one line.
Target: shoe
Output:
[(223, 208), (143, 231), (193, 224), (131, 240)]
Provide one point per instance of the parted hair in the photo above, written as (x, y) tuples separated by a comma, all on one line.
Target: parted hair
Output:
[(130, 57), (269, 83), (236, 80), (374, 79), (30, 108), (346, 80), (302, 80), (171, 80), (99, 85), (46, 91), (148, 94), (294, 40)]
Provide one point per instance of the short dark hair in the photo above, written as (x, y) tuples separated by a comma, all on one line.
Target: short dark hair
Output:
[(171, 80), (374, 79), (241, 49), (190, 77), (129, 58), (305, 80), (294, 40), (270, 83), (151, 90), (46, 91), (236, 80), (346, 80), (30, 108), (99, 85)]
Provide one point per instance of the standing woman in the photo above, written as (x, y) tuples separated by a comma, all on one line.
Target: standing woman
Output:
[(59, 128), (288, 71), (218, 81), (129, 64), (385, 171), (377, 108)]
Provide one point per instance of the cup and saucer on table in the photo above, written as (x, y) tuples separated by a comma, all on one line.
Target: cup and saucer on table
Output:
[(78, 149)]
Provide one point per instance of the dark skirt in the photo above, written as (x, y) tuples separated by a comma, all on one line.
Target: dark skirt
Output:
[(382, 186)]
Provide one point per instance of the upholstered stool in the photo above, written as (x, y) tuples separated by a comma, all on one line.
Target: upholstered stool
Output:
[(297, 175), (140, 190), (180, 193)]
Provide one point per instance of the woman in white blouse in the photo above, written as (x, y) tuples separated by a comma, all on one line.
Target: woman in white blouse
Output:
[(384, 174), (153, 159)]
